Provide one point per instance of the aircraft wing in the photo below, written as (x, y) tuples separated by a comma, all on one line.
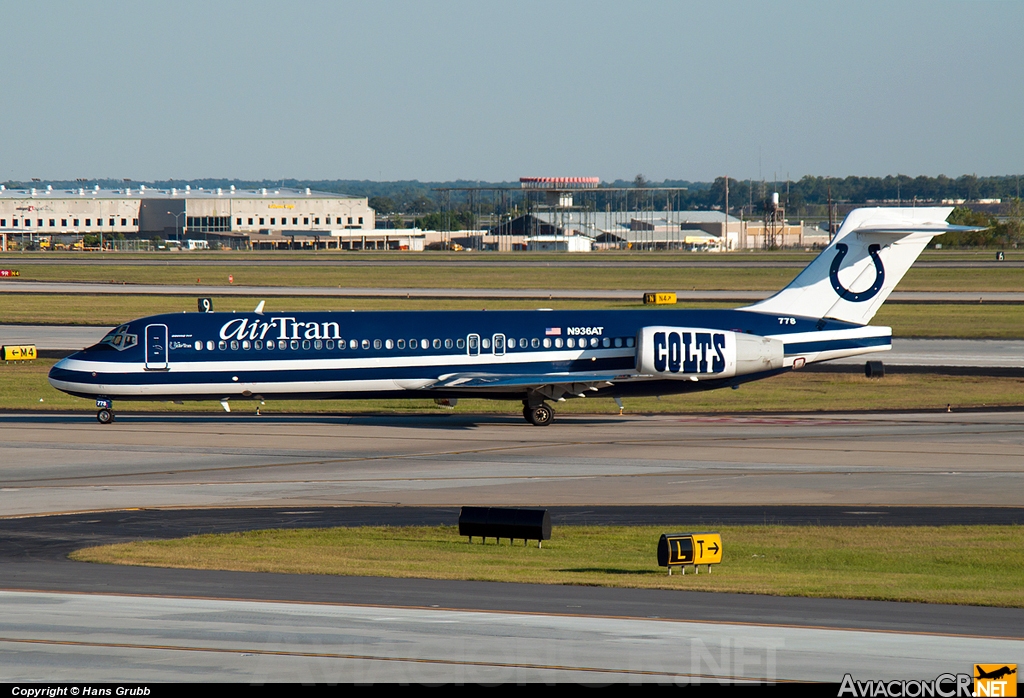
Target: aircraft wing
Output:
[(551, 385)]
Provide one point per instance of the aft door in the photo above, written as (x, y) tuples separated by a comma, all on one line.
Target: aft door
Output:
[(473, 345), (156, 347), (499, 344)]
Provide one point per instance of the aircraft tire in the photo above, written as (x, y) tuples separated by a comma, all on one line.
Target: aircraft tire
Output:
[(105, 416), (540, 415)]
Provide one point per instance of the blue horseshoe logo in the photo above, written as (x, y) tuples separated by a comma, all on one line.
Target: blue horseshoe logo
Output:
[(847, 294)]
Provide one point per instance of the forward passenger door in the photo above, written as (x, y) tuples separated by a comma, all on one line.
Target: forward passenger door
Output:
[(156, 348)]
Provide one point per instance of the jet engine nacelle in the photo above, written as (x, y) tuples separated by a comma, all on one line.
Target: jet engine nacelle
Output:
[(695, 353)]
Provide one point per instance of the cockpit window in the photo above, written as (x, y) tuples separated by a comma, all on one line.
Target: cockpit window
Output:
[(120, 339)]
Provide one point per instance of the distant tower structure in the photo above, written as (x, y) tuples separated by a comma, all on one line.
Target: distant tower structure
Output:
[(774, 222), (558, 199)]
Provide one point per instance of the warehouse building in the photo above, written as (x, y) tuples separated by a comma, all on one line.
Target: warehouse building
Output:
[(708, 231), (232, 216)]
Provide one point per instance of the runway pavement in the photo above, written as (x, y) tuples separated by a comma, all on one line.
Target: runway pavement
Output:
[(976, 353), (130, 638), (74, 621)]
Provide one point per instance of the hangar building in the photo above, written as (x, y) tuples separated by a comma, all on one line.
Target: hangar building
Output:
[(258, 215)]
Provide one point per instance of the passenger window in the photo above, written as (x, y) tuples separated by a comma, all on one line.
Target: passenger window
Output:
[(570, 343), (593, 341), (413, 343), (282, 344), (547, 343), (199, 345), (305, 344), (618, 342), (485, 343), (353, 344), (258, 344), (606, 342), (424, 344), (558, 343), (389, 344), (629, 341), (318, 345), (377, 344), (294, 345), (524, 343), (448, 344), (401, 344), (534, 342), (246, 345), (437, 343), (365, 344), (270, 345), (222, 345), (330, 345), (460, 343)]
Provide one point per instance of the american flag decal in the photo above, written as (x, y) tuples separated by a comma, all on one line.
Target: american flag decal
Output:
[(553, 331)]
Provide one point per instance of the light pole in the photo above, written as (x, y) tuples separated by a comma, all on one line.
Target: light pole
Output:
[(176, 235)]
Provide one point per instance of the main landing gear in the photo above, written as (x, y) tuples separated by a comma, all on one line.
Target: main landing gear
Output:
[(539, 415), (105, 415)]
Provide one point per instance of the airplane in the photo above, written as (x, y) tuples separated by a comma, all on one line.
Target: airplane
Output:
[(532, 356), (996, 673)]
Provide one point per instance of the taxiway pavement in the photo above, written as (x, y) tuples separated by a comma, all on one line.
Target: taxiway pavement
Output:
[(73, 621), (68, 462)]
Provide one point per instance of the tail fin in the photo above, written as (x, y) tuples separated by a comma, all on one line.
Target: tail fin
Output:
[(854, 275)]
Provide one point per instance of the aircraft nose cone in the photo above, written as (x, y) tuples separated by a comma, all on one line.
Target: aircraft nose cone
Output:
[(62, 371)]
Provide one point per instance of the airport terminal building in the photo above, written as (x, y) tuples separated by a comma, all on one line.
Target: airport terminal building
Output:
[(241, 218)]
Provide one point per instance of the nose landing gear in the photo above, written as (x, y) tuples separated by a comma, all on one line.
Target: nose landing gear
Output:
[(539, 415), (105, 415)]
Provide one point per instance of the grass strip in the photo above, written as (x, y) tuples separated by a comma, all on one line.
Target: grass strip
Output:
[(637, 256), (23, 386), (502, 276), (977, 565)]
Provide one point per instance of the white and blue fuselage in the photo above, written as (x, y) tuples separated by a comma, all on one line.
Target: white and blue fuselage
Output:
[(533, 356), (441, 354)]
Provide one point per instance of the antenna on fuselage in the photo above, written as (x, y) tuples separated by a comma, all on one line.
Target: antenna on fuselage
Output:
[(259, 308)]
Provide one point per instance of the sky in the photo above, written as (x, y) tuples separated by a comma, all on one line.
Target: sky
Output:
[(436, 91)]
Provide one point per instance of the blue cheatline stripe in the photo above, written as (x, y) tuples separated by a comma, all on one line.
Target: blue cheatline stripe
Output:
[(837, 345), (246, 375)]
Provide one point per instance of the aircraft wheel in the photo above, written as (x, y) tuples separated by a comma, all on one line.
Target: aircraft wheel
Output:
[(105, 416), (539, 416)]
